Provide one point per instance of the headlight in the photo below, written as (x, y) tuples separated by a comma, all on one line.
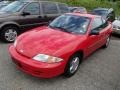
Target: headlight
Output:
[(15, 43), (47, 58)]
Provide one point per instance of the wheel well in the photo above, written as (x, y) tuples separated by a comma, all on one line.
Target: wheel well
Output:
[(81, 53), (9, 25)]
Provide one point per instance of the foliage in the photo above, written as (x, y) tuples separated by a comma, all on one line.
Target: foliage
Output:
[(91, 4)]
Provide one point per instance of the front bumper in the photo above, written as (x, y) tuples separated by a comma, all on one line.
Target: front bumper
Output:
[(35, 68)]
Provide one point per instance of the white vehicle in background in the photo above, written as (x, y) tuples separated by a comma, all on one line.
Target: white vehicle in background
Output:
[(116, 26)]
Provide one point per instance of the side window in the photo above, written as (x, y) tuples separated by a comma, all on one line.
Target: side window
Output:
[(63, 8), (33, 9), (97, 22), (49, 8), (105, 23)]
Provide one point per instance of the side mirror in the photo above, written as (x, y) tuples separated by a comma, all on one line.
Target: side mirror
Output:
[(25, 13), (94, 32)]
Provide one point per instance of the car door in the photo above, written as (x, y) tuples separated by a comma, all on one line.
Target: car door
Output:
[(94, 41), (49, 10), (104, 32), (30, 16)]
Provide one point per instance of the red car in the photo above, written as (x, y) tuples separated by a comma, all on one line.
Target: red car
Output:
[(59, 48)]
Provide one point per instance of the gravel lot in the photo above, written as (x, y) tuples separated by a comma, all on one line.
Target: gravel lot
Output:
[(100, 71)]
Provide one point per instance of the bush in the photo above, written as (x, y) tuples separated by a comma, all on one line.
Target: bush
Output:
[(91, 4)]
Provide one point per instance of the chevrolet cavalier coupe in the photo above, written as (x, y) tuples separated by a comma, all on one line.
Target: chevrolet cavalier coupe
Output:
[(60, 47)]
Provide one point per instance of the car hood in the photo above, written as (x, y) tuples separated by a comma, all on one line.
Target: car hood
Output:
[(44, 40)]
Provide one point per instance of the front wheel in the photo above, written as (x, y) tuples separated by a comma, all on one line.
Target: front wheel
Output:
[(9, 34), (73, 65)]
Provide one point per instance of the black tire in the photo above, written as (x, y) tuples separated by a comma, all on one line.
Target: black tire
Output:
[(68, 72), (107, 42), (12, 32)]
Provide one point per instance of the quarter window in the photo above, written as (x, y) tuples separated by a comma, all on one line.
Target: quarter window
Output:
[(97, 22), (33, 8), (49, 8)]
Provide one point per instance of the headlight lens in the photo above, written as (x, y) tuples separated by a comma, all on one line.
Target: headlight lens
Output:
[(47, 58), (15, 43)]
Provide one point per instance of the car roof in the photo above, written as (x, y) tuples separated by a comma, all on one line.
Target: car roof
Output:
[(30, 1), (84, 15)]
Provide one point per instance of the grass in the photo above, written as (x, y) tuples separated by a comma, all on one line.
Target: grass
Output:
[(91, 4)]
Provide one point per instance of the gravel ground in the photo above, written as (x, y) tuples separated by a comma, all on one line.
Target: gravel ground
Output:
[(100, 71)]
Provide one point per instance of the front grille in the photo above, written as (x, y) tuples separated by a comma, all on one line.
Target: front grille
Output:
[(25, 67)]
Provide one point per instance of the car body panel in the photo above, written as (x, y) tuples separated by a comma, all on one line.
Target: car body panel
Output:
[(37, 69), (44, 38)]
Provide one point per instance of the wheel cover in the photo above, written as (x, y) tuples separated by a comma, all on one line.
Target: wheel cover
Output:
[(108, 40), (10, 35), (74, 64)]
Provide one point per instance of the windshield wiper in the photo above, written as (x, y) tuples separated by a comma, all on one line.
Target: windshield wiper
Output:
[(61, 28)]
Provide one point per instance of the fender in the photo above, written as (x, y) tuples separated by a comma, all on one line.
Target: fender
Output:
[(9, 23)]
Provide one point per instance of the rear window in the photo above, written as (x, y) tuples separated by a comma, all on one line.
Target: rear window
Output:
[(97, 22), (63, 8)]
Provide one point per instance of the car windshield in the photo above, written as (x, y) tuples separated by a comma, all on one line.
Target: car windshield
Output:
[(100, 12), (71, 23), (1, 6), (13, 7)]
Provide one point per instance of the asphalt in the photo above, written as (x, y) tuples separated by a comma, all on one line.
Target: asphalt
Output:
[(100, 71)]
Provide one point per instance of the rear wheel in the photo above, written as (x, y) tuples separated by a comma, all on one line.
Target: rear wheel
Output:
[(107, 42), (9, 34), (73, 65)]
